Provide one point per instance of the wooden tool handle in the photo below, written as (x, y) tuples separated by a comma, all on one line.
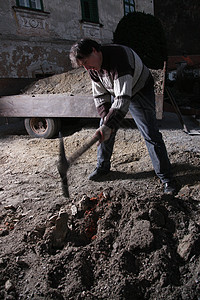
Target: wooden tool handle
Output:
[(83, 149)]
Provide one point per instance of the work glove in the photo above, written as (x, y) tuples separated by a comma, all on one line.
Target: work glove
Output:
[(103, 133)]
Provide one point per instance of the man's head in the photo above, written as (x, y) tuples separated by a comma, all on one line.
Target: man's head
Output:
[(86, 53)]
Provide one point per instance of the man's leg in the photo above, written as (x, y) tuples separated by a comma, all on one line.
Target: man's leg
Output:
[(104, 153), (142, 108)]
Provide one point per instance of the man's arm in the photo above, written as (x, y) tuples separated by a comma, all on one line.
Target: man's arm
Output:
[(120, 106), (102, 98)]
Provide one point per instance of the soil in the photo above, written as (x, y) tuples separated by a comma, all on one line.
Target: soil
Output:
[(76, 82), (73, 82), (119, 238)]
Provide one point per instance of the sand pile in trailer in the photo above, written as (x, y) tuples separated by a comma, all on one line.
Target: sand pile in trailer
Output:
[(76, 82)]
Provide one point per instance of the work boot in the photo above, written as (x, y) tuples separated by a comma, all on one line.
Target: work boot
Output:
[(98, 173), (169, 188)]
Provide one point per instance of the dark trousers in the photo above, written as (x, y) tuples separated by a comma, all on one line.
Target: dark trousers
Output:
[(142, 109)]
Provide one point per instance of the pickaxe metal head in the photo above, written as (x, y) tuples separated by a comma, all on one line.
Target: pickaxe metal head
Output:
[(64, 163), (63, 166)]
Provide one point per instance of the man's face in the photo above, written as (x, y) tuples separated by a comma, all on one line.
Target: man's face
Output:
[(93, 61)]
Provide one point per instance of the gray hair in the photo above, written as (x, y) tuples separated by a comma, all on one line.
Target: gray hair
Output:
[(81, 50)]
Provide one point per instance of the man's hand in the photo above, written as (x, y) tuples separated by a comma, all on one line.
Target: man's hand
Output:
[(103, 133)]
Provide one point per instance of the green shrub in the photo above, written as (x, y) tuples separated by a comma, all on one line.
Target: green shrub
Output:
[(145, 35)]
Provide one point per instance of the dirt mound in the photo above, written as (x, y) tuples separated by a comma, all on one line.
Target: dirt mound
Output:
[(121, 238), (77, 82), (73, 82)]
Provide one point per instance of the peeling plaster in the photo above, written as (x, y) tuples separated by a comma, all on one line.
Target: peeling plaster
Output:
[(32, 39), (25, 61)]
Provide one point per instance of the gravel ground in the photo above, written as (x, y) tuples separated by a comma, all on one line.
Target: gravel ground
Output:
[(120, 238)]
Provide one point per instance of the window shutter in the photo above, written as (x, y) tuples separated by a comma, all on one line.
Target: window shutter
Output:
[(94, 11), (90, 11)]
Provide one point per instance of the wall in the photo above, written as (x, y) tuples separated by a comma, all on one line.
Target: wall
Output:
[(146, 6), (34, 43)]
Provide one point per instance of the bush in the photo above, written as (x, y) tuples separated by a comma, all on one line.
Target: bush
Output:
[(145, 35)]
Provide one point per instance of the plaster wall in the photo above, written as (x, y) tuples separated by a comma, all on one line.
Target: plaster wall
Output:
[(33, 43), (146, 6)]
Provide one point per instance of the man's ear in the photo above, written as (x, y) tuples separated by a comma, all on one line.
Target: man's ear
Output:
[(94, 50)]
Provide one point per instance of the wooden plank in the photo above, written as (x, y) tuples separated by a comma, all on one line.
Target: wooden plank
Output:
[(47, 105), (56, 106), (159, 107)]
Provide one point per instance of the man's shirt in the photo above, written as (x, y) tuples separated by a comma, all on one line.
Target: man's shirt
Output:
[(122, 75)]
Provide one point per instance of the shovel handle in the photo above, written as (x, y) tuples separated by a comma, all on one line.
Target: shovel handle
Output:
[(83, 149)]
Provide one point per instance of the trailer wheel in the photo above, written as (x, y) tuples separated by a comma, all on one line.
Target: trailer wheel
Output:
[(58, 125), (41, 127)]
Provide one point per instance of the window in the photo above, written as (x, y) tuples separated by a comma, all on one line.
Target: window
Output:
[(34, 4), (129, 6), (90, 11)]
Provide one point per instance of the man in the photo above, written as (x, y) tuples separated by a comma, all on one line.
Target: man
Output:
[(121, 82)]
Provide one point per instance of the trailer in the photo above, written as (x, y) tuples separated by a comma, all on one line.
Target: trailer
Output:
[(42, 113)]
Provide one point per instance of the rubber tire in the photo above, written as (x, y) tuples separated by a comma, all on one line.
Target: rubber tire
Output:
[(41, 127), (58, 126)]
